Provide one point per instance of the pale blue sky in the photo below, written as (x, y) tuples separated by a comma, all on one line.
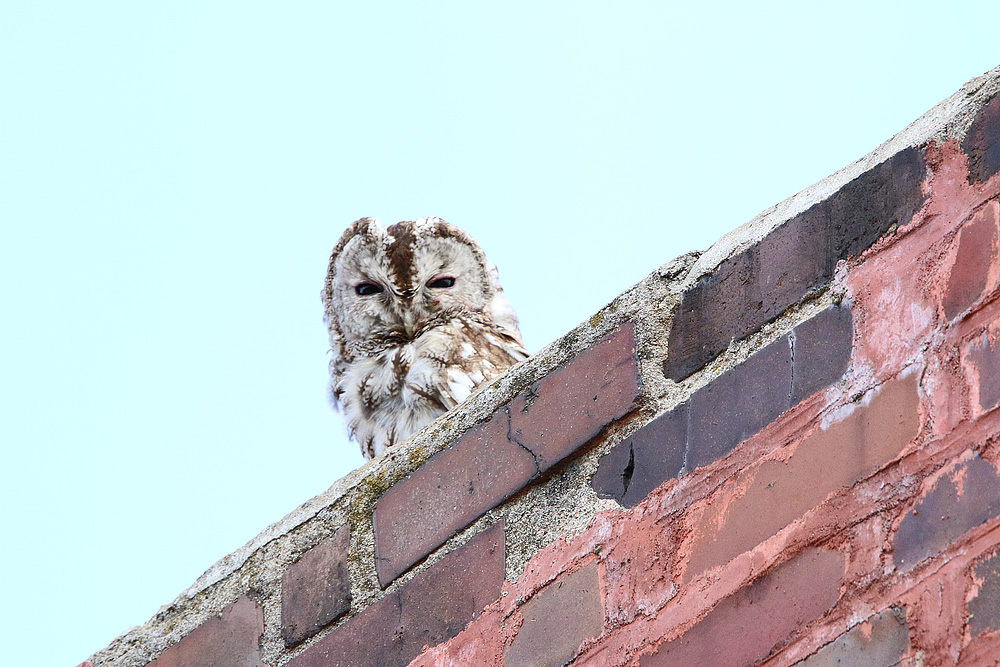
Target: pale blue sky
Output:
[(173, 176)]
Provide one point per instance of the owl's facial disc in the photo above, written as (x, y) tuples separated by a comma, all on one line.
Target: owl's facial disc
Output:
[(398, 281)]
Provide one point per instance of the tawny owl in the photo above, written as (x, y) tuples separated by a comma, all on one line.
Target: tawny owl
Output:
[(417, 322)]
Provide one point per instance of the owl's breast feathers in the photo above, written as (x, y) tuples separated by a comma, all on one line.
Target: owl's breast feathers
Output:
[(397, 384)]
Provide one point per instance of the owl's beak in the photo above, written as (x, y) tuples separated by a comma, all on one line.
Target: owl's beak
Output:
[(410, 323)]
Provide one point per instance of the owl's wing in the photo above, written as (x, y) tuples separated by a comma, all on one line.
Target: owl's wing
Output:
[(338, 369), (480, 354)]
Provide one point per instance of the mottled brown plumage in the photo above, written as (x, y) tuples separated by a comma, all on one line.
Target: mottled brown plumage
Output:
[(417, 321)]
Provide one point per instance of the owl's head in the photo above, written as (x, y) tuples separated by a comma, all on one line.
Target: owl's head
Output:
[(391, 283)]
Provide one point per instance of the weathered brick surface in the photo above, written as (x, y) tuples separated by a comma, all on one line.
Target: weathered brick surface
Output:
[(826, 460), (747, 625), (983, 357), (880, 641), (571, 405), (86, 663), (556, 415), (644, 460), (431, 608), (742, 294), (755, 286), (982, 651), (229, 640), (449, 491), (984, 607), (821, 350), (316, 589), (739, 403), (734, 406), (885, 196), (959, 500), (977, 252), (557, 620), (982, 142)]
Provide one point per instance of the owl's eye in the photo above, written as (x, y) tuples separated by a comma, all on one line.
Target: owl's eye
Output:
[(442, 283), (367, 289)]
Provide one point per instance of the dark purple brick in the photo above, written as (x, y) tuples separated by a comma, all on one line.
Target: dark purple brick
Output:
[(957, 503), (729, 409), (448, 492), (750, 623), (977, 248), (316, 589), (984, 357), (229, 640), (429, 609), (884, 197), (881, 641), (743, 293), (557, 620), (984, 608), (982, 142), (738, 403), (570, 405), (754, 287), (821, 351), (644, 460)]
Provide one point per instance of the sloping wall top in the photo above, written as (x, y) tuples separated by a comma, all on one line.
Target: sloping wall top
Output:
[(783, 451)]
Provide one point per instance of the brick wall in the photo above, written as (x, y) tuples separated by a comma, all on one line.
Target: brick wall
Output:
[(782, 451)]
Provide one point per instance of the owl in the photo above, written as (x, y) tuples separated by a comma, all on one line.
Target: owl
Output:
[(417, 322)]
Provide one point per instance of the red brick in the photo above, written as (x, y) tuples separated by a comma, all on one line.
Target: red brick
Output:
[(957, 502), (880, 641), (982, 142), (754, 287), (982, 651), (570, 405), (824, 461), (448, 492), (738, 403), (557, 620), (983, 358), (984, 608), (977, 250), (753, 621), (429, 609), (316, 589), (229, 640), (559, 413), (644, 460), (440, 602)]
